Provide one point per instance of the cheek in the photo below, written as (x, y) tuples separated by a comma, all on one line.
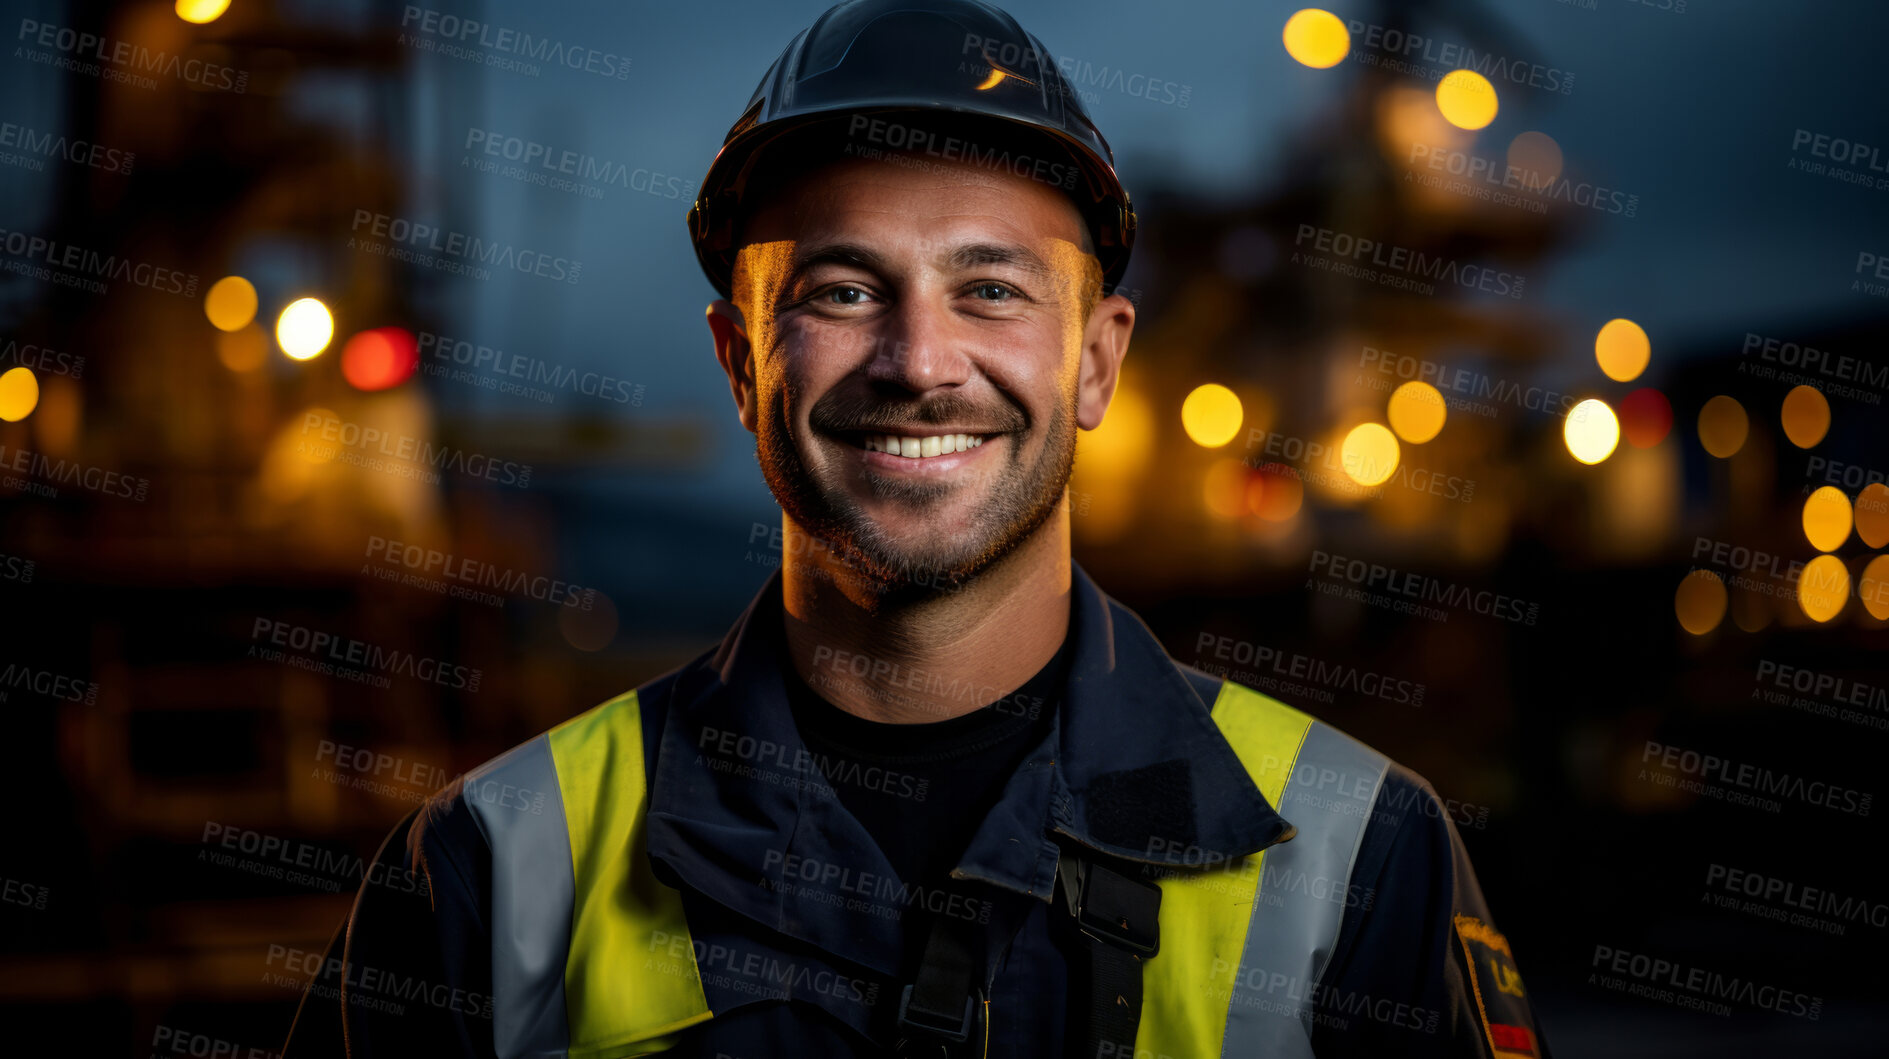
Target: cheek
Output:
[(801, 366), (1034, 371)]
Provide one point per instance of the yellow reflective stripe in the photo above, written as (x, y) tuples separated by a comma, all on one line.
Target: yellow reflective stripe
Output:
[(630, 980), (1188, 986)]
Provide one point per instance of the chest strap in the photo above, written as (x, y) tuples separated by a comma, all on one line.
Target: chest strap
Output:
[(1117, 927)]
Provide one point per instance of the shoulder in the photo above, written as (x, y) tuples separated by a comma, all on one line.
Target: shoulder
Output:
[(1326, 763), (545, 781)]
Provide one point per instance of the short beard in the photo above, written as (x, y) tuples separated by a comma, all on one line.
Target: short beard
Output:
[(1021, 502)]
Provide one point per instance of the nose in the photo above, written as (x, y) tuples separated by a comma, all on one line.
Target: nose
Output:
[(919, 349)]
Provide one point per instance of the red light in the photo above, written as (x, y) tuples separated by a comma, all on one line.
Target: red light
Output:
[(1646, 417), (380, 359), (1275, 493)]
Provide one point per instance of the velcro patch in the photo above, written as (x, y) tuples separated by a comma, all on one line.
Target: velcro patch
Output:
[(1500, 998)]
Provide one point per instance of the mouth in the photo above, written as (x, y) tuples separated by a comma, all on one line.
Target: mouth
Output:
[(916, 447)]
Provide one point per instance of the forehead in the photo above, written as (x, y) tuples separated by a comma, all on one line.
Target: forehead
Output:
[(933, 202)]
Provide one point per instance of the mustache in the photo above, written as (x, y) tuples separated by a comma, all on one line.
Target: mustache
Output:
[(842, 413)]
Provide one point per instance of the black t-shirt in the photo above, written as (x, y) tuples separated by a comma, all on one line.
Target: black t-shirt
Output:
[(949, 773)]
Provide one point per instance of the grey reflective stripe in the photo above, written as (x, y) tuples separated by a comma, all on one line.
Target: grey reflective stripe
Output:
[(1304, 886), (515, 800)]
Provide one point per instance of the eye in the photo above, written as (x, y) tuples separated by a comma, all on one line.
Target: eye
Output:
[(844, 294), (993, 292)]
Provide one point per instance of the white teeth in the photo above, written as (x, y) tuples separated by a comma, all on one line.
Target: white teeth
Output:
[(920, 448)]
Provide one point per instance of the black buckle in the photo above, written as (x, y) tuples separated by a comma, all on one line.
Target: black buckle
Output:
[(1111, 907), (936, 1022)]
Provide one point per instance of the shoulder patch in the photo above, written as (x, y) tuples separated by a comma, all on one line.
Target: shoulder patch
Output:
[(1500, 998)]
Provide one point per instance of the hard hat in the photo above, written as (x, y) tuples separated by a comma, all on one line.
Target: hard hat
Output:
[(918, 57)]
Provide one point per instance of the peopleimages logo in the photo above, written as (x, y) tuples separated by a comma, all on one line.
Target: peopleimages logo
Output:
[(500, 47), (1840, 159), (47, 683), (37, 146), (1401, 267), (500, 366), (43, 361), (1078, 74), (1750, 781), (1463, 389), (351, 652), (562, 169), (90, 478), (893, 136), (454, 251), (76, 266), (408, 452), (1827, 370), (1484, 176), (1304, 667), (123, 60), (1408, 49), (474, 572), (1695, 987)]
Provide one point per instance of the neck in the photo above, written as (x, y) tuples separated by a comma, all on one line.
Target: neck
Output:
[(916, 658)]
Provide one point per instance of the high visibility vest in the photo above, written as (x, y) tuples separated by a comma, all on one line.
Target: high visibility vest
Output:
[(591, 955)]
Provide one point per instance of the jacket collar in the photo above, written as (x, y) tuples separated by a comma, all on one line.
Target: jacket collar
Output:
[(1147, 772), (1133, 766)]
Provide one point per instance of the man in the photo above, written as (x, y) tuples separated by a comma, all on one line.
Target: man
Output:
[(935, 794)]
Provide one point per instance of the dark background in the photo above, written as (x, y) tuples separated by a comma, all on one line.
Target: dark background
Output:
[(144, 728)]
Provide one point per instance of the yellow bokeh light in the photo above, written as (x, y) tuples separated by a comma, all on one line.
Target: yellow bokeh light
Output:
[(1823, 588), (1873, 588), (305, 328), (1370, 454), (1591, 431), (230, 304), (1536, 159), (1622, 350), (1417, 412), (1466, 99), (1225, 488), (1317, 38), (1700, 602), (202, 11), (1872, 514), (1806, 416), (19, 394), (1722, 426), (1211, 415), (243, 351), (1827, 519), (1124, 441)]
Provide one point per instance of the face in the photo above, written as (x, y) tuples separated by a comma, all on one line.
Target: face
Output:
[(921, 359)]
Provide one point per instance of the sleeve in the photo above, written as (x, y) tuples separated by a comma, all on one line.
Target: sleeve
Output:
[(409, 972), (1419, 968)]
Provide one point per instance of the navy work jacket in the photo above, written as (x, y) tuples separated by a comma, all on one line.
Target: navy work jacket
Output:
[(800, 948)]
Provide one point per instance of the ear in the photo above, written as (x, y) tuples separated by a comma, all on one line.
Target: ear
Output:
[(1104, 344), (737, 358)]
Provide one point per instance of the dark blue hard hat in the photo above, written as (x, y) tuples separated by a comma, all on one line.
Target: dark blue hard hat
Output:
[(956, 59)]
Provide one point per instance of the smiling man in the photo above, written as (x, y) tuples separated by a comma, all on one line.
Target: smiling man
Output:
[(935, 794)]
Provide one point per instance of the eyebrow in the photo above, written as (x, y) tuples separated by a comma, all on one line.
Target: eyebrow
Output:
[(959, 259)]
